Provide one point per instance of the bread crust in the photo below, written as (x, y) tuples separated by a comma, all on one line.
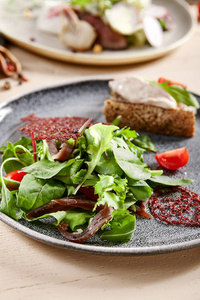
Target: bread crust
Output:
[(149, 118)]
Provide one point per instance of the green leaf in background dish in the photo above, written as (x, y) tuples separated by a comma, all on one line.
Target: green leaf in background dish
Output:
[(80, 3), (122, 227)]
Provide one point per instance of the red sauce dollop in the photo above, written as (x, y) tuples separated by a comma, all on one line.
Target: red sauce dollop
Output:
[(175, 205), (59, 128)]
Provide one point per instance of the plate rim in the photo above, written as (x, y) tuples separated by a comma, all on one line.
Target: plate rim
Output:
[(58, 84), (64, 244), (121, 251), (107, 60)]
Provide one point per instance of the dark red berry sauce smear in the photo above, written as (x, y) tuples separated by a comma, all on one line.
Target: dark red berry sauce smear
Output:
[(60, 128), (175, 205)]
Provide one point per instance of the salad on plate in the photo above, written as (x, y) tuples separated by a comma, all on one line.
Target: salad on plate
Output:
[(86, 178)]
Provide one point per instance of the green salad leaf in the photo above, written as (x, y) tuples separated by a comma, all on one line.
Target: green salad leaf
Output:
[(121, 228), (35, 192), (98, 137)]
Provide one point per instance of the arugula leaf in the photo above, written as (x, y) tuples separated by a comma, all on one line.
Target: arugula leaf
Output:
[(122, 227), (125, 133), (98, 138), (76, 218), (144, 142), (111, 191), (45, 169)]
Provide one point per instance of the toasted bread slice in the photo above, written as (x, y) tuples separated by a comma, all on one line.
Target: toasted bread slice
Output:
[(149, 118)]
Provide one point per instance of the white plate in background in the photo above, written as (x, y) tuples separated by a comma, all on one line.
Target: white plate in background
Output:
[(23, 32)]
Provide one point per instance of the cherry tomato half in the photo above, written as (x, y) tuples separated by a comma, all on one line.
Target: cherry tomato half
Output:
[(171, 82), (16, 175), (173, 159)]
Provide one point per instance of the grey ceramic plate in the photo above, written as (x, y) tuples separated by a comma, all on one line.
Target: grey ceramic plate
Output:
[(86, 98), (24, 33)]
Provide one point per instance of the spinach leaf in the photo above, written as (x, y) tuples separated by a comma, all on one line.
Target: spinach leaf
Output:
[(45, 169), (8, 203), (132, 166), (140, 189), (34, 192), (107, 164), (122, 227), (73, 179), (165, 180)]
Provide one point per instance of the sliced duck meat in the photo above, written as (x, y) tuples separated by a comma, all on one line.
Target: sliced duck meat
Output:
[(107, 38)]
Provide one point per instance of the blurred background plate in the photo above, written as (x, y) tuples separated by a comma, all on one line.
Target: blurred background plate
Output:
[(23, 32)]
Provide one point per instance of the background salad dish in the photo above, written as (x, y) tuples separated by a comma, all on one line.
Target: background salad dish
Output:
[(150, 235), (107, 32), (85, 25)]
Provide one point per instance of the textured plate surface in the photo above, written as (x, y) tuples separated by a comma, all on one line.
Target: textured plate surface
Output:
[(24, 33), (86, 98)]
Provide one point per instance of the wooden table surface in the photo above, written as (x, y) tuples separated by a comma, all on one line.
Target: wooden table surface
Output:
[(32, 270)]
